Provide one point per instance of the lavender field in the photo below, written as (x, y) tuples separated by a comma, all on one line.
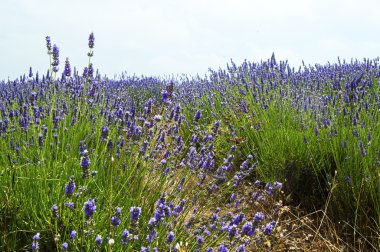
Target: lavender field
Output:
[(252, 157)]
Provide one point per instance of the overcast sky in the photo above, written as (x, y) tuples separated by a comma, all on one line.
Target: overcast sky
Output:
[(171, 37)]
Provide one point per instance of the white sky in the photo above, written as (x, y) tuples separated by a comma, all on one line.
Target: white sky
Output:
[(172, 37)]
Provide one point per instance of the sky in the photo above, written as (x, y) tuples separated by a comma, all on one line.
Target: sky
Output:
[(169, 38)]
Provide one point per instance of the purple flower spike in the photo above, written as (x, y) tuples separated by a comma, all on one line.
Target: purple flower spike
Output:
[(277, 185), (91, 40), (248, 229), (89, 208), (223, 248), (98, 240), (269, 228), (170, 237), (124, 237), (166, 97), (73, 234), (115, 221), (241, 248), (35, 244), (198, 115), (70, 187), (54, 210), (259, 216), (55, 54), (48, 44), (135, 213), (67, 68), (65, 246)]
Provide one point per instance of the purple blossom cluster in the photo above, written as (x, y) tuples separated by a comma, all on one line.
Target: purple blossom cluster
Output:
[(196, 142)]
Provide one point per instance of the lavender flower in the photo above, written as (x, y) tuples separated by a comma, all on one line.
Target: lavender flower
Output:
[(30, 72), (135, 213), (40, 140), (259, 216), (54, 210), (90, 70), (69, 205), (198, 115), (115, 220), (241, 248), (89, 208), (237, 219), (248, 229), (67, 68), (233, 197), (151, 236), (347, 179), (73, 234), (152, 222), (269, 228), (55, 54), (277, 185), (223, 248), (362, 149), (85, 163), (166, 97), (70, 187), (124, 237), (170, 237), (35, 243), (85, 72), (257, 183), (48, 44), (65, 246), (157, 118), (98, 240), (232, 230), (91, 40), (200, 240)]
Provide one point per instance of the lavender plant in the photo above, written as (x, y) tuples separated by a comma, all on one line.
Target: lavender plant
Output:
[(195, 161)]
